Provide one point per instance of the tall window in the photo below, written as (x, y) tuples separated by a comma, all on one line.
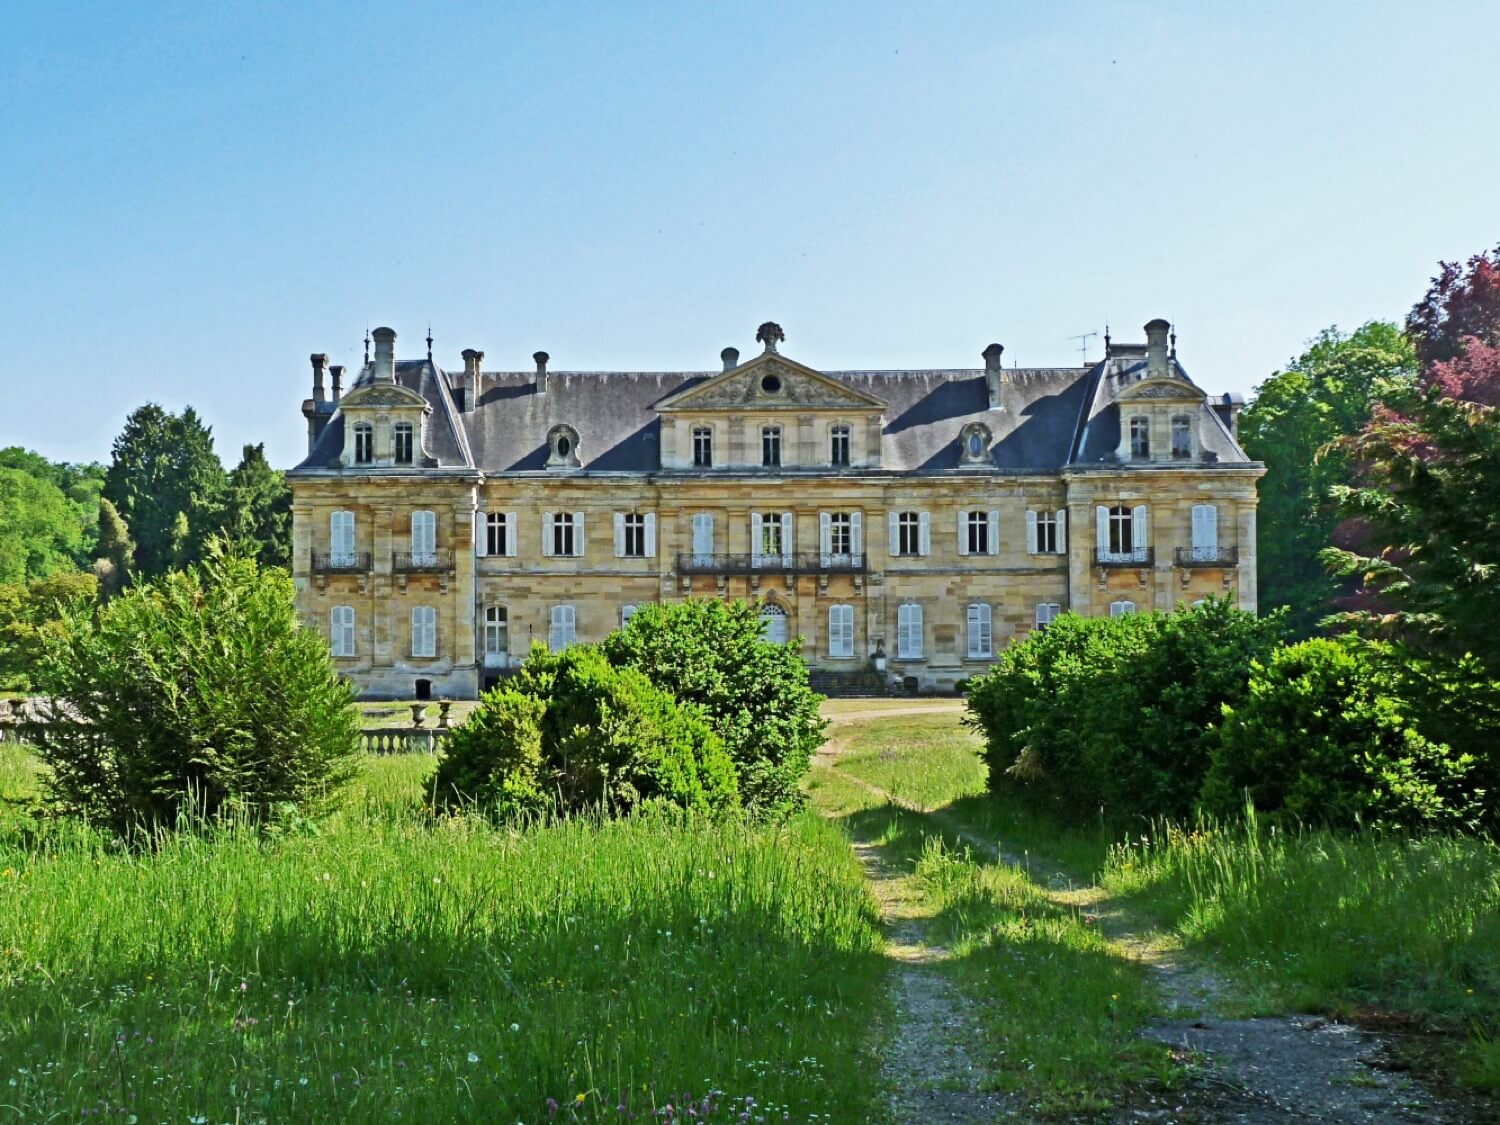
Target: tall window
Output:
[(1205, 532), (1121, 530), (908, 540), (632, 536), (770, 446), (423, 538), (341, 630), (1182, 437), (977, 533), (841, 630), (423, 631), (1045, 538), (703, 538), (341, 538), (838, 454), (565, 533), (403, 443), (770, 535), (909, 632), (497, 533), (840, 534), (364, 443), (1122, 608), (563, 629), (627, 611), (1046, 613), (703, 447), (981, 631), (496, 630), (1140, 438)]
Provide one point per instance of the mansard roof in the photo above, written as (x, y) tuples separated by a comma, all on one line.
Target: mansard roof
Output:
[(1047, 418), (1122, 379)]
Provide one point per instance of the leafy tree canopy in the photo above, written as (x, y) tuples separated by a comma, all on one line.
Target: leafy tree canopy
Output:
[(258, 508), (1462, 303)]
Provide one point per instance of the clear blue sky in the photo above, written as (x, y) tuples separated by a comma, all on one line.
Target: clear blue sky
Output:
[(196, 196)]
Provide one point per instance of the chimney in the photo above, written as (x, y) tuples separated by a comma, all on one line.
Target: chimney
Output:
[(473, 360), (385, 355), (336, 372), (731, 358), (1156, 347), (320, 369), (541, 371), (993, 372)]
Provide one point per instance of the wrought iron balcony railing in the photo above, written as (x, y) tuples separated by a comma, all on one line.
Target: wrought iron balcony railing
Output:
[(1141, 556), (429, 562), (1207, 556), (341, 562), (694, 563)]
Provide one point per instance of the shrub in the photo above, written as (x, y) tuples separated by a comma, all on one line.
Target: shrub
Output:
[(1325, 737), (755, 694), (575, 732), (201, 691), (1115, 714)]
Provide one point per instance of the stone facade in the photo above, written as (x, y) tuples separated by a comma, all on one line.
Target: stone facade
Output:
[(445, 521)]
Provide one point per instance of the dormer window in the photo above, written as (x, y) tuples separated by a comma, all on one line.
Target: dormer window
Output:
[(364, 443), (1182, 437), (974, 444), (1140, 438), (771, 384), (770, 444), (562, 448), (838, 453), (403, 431)]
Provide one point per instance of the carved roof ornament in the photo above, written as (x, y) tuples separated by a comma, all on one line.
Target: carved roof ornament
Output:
[(769, 334)]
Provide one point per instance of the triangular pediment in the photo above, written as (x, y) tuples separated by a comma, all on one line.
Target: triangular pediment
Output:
[(771, 382), (1162, 388), (383, 396)]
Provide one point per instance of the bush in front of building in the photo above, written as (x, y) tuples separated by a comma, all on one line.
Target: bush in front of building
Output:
[(1113, 717), (573, 733), (1325, 737), (192, 697), (755, 694)]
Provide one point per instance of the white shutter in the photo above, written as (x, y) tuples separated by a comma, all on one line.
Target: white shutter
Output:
[(1139, 540), (423, 535), (857, 534), (1062, 531), (570, 624), (893, 533), (963, 532), (481, 534), (547, 534), (554, 629), (786, 539), (619, 535), (578, 534), (1101, 528), (841, 630), (1030, 532), (909, 631), (651, 535), (1205, 531), (703, 535), (979, 630), (992, 533), (512, 530), (924, 533), (825, 533), (757, 538), (341, 537)]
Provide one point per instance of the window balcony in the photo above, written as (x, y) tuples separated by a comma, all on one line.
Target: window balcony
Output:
[(336, 562), (431, 562), (693, 563), (1206, 556), (1141, 556)]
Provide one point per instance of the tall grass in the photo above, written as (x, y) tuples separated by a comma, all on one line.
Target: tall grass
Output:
[(379, 966)]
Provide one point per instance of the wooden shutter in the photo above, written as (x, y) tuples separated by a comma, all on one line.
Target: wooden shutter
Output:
[(650, 535), (1205, 530), (1101, 528), (423, 534), (481, 533), (619, 535), (963, 532), (979, 630), (341, 534), (992, 532), (1062, 531), (825, 533), (512, 530), (893, 533), (703, 534), (786, 537), (757, 537), (924, 533), (1139, 531), (1030, 531), (857, 534), (547, 520), (578, 540)]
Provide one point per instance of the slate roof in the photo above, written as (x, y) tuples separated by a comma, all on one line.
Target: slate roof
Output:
[(1049, 418)]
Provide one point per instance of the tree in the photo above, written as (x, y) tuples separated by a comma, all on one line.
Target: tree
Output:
[(164, 466), (258, 508), (39, 528), (1463, 303), (1324, 394), (30, 613), (115, 548)]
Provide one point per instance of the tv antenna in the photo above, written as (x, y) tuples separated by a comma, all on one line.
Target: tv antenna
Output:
[(1083, 344)]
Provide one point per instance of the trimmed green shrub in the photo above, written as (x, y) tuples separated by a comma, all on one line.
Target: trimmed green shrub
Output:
[(573, 732), (755, 694), (1112, 716), (200, 692), (1324, 736)]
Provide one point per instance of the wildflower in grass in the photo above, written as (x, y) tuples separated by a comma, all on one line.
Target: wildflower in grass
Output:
[(515, 1027), (473, 1058)]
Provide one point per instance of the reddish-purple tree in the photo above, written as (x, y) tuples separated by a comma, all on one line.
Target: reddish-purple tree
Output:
[(1473, 375), (1462, 302)]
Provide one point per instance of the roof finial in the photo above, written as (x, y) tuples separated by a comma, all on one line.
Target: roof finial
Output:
[(1174, 341), (769, 334), (367, 343), (429, 343)]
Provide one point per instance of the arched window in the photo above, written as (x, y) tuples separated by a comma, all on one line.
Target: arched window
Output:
[(496, 633), (1182, 437), (974, 444), (1140, 438), (423, 631), (403, 433), (1122, 608), (364, 443), (773, 623), (562, 447)]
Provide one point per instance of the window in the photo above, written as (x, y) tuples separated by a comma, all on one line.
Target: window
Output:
[(635, 535), (841, 630), (423, 538), (496, 631), (403, 443), (839, 441), (703, 447), (341, 539), (840, 534), (770, 446), (703, 539), (910, 534), (1140, 438), (773, 624), (1121, 530), (1045, 533), (978, 533), (423, 631), (909, 632), (981, 632), (499, 533), (974, 444), (1046, 613), (770, 537), (627, 611), (1122, 608), (364, 443), (341, 630), (562, 534), (1182, 437), (562, 444), (1205, 532), (563, 630)]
